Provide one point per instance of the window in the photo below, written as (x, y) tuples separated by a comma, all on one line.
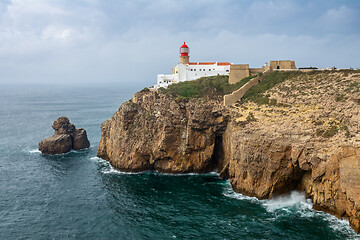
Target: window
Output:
[(204, 69), (227, 70), (199, 69), (190, 69), (209, 69), (195, 70)]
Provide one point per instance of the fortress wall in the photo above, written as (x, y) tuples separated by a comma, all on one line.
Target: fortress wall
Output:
[(255, 71), (238, 72), (238, 94), (282, 64)]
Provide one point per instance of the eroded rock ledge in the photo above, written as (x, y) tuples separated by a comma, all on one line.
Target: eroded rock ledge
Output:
[(306, 140)]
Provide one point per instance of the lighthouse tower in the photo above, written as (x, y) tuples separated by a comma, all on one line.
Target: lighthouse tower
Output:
[(184, 54)]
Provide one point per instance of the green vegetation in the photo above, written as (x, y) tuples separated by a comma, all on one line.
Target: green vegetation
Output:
[(346, 72), (205, 86), (331, 131), (346, 129), (145, 90), (353, 87), (319, 132), (340, 98), (255, 93), (273, 102), (318, 122), (251, 117)]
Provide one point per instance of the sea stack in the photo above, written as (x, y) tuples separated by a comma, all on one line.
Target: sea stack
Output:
[(66, 138)]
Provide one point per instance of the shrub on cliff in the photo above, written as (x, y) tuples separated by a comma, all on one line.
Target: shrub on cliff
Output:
[(205, 86), (255, 93)]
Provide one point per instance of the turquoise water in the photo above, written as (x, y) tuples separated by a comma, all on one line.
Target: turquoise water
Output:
[(79, 196)]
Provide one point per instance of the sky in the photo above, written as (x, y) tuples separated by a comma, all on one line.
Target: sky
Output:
[(131, 41)]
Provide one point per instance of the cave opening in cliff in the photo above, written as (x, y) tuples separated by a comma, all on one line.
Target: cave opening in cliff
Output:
[(217, 157)]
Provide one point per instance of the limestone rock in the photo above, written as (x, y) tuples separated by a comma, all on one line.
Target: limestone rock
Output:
[(308, 140), (63, 126), (66, 137), (154, 131), (337, 191), (56, 144), (80, 140)]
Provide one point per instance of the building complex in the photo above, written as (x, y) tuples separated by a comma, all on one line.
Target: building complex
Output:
[(187, 71)]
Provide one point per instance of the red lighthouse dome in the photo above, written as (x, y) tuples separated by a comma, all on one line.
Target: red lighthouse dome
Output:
[(184, 50)]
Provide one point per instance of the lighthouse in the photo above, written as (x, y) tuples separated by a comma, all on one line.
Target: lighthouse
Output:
[(187, 71), (184, 54)]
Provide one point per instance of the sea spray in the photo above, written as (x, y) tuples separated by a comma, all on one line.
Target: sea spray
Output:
[(294, 199)]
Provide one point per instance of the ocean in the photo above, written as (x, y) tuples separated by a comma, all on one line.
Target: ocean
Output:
[(79, 196)]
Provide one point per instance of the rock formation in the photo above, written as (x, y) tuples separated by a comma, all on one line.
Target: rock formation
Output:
[(307, 138), (66, 138), (154, 131)]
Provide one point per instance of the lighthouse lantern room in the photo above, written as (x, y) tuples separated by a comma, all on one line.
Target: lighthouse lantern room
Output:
[(184, 54)]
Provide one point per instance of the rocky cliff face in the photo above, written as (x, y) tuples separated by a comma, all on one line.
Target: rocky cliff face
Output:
[(154, 131), (307, 138)]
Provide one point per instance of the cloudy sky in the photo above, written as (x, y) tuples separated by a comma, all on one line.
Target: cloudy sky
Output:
[(130, 41)]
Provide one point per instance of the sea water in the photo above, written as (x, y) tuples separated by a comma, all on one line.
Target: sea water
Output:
[(79, 196)]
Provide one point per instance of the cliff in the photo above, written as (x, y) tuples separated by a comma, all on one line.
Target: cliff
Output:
[(306, 137), (292, 131), (154, 131)]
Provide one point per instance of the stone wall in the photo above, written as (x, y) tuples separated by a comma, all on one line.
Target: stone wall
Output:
[(238, 94), (256, 71), (282, 64), (238, 72)]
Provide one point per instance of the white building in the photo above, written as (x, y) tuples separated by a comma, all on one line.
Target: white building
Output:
[(186, 71)]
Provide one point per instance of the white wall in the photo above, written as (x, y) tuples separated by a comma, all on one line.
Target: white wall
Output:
[(197, 71), (183, 73)]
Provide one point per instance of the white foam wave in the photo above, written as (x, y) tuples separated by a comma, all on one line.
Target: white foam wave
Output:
[(229, 192), (294, 199), (188, 174), (35, 151), (97, 159), (302, 206), (111, 170), (339, 224), (108, 169)]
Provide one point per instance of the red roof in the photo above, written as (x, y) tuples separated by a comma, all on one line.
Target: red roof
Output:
[(207, 63), (184, 46), (223, 63)]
